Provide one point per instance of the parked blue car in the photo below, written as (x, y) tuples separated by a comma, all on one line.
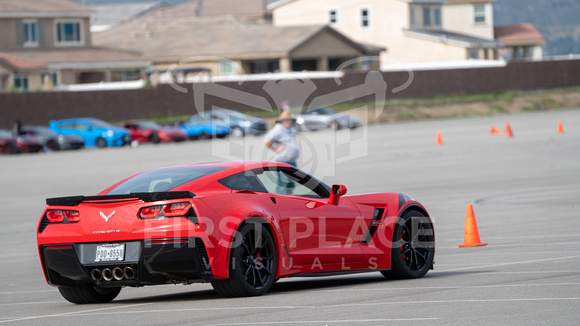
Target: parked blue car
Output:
[(198, 127), (240, 124), (95, 132)]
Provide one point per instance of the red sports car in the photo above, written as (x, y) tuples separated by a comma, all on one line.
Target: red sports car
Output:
[(149, 131), (13, 144), (238, 225)]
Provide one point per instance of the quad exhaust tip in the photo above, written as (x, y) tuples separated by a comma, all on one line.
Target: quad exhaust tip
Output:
[(118, 273)]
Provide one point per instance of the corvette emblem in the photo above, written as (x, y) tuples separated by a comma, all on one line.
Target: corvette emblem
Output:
[(107, 218)]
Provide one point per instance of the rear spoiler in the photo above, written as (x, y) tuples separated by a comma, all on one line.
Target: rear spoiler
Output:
[(144, 196)]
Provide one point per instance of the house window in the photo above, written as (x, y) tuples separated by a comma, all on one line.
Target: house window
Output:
[(437, 17), (473, 53), (49, 77), (227, 68), (365, 18), (426, 16), (479, 14), (412, 19), (21, 83), (30, 33), (332, 17), (68, 32), (431, 17)]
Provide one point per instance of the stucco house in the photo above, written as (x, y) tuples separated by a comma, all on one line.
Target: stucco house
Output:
[(179, 43), (47, 43), (412, 30)]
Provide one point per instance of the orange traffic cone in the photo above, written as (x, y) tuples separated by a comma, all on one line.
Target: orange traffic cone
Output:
[(495, 131), (471, 237), (560, 127), (508, 130), (438, 141)]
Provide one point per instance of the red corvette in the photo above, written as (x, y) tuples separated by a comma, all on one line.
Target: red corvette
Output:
[(238, 225), (149, 131)]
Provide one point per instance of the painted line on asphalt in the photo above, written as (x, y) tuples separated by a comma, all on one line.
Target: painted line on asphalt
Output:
[(97, 312), (455, 301), (308, 322), (451, 287), (506, 264), (68, 314)]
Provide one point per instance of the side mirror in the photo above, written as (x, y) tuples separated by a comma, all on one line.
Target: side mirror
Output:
[(335, 193)]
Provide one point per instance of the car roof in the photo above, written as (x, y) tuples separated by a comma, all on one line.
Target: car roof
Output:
[(237, 165)]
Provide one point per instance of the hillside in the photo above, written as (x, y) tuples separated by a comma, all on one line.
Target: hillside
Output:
[(556, 19)]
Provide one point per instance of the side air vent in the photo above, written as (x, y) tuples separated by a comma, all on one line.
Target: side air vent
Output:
[(203, 257), (43, 224), (376, 221)]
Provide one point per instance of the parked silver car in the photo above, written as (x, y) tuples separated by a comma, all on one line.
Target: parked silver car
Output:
[(323, 118), (54, 141)]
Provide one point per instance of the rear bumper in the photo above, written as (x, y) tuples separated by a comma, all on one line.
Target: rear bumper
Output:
[(150, 262)]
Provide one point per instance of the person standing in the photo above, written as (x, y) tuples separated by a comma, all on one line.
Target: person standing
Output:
[(283, 141)]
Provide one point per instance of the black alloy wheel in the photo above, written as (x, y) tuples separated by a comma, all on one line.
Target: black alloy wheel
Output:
[(52, 145), (413, 247), (155, 138), (101, 142), (252, 263)]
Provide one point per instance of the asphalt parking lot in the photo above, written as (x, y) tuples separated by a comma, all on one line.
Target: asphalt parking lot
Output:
[(525, 192)]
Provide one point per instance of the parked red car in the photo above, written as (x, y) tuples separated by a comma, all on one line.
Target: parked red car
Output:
[(149, 131), (12, 144)]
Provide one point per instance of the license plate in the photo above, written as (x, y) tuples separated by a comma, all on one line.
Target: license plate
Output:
[(110, 252)]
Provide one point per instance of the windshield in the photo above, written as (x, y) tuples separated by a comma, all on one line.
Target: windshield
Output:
[(163, 179), (321, 111), (149, 125)]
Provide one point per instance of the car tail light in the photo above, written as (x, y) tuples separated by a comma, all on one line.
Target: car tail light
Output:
[(150, 212), (55, 216), (169, 210), (73, 216), (58, 215), (177, 209)]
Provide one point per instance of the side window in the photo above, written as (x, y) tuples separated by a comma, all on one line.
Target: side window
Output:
[(243, 181), (291, 182)]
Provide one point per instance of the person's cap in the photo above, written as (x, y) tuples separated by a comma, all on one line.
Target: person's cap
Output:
[(285, 115)]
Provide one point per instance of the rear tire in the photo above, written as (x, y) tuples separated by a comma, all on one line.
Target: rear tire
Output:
[(154, 138), (88, 293), (252, 263), (413, 247), (11, 148), (53, 145)]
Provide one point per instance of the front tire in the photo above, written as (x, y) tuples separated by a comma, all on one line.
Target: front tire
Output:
[(237, 132), (101, 142), (413, 247), (252, 263), (88, 293)]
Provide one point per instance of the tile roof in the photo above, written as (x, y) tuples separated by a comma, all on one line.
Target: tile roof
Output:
[(71, 57), (18, 64), (175, 38), (8, 7), (464, 40), (246, 8), (521, 34), (115, 14)]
